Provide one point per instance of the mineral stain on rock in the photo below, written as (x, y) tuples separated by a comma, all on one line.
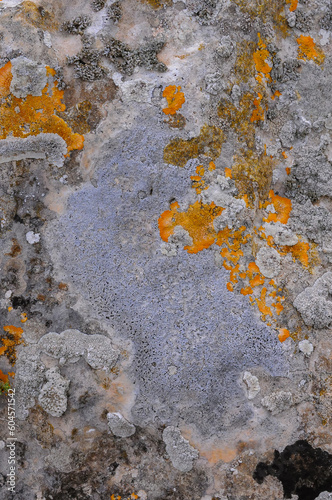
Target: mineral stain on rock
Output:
[(303, 470)]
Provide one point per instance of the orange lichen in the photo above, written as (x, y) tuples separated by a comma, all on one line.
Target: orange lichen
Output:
[(308, 50), (278, 307), (3, 377), (24, 317), (283, 334), (197, 220), (288, 170), (300, 251), (293, 4), (260, 56), (284, 154), (207, 143), (34, 114), (276, 94), (264, 309), (257, 280), (230, 287), (283, 208), (174, 98), (10, 341), (258, 112), (228, 173)]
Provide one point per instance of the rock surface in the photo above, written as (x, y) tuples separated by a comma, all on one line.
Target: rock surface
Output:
[(166, 249)]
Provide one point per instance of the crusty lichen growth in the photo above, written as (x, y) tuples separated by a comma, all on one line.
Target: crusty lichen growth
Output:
[(32, 115), (207, 143), (308, 50)]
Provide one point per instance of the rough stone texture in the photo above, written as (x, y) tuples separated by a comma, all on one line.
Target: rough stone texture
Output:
[(165, 207)]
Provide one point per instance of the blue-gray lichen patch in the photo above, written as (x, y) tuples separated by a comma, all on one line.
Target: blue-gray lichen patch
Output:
[(176, 310)]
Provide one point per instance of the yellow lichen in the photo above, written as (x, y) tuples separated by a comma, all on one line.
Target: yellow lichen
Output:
[(37, 16)]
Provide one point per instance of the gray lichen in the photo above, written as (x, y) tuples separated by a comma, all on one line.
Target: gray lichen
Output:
[(314, 303), (70, 345), (29, 77), (181, 453), (76, 26), (53, 395), (126, 59)]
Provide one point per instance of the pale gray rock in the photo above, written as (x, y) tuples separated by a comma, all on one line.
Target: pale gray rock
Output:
[(29, 77), (314, 303), (120, 426), (268, 260)]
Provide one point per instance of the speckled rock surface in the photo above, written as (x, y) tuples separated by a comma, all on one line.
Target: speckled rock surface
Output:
[(166, 249)]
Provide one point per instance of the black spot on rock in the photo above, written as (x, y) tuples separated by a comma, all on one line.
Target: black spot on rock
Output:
[(303, 470)]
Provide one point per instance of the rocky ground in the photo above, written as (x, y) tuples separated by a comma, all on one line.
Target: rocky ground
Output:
[(166, 249)]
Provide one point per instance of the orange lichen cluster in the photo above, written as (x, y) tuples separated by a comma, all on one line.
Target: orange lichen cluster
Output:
[(260, 59), (133, 496), (174, 98), (197, 180), (282, 207), (308, 50), (258, 112), (23, 117), (207, 143), (197, 220), (10, 341), (283, 334), (252, 173), (293, 4)]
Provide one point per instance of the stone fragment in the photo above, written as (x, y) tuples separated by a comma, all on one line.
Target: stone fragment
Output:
[(119, 425), (252, 383), (306, 347), (268, 261)]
